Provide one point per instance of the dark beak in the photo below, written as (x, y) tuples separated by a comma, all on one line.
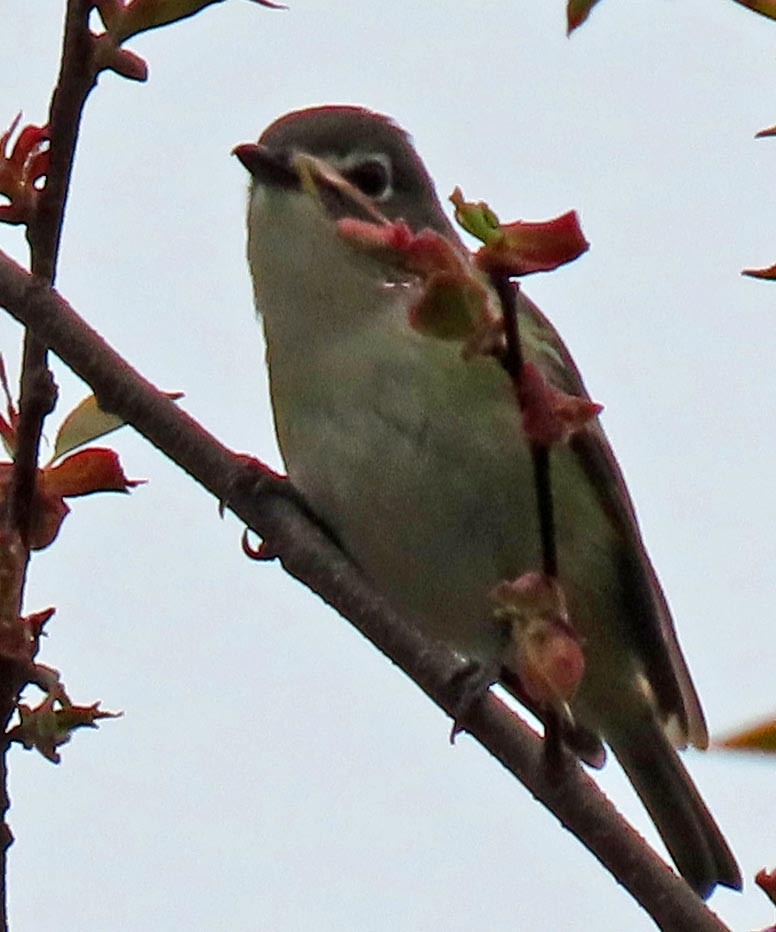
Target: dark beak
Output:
[(336, 194), (267, 167)]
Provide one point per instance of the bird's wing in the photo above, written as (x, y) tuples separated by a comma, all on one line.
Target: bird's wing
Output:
[(655, 636)]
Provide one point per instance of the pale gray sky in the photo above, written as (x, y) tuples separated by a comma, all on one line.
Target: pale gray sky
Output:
[(272, 771)]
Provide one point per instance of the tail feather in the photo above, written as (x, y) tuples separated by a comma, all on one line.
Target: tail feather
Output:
[(686, 826)]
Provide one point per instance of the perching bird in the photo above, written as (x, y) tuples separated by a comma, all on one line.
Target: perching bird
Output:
[(415, 459)]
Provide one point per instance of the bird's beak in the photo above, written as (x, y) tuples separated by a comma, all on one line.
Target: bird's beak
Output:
[(267, 167), (316, 177)]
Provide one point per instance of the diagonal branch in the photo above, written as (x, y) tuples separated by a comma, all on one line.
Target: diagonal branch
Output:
[(268, 505)]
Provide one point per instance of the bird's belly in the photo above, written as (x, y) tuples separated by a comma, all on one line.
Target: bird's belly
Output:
[(417, 462)]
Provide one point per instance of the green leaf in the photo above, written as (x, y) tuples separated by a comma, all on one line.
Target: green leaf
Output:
[(475, 217), (46, 728), (449, 308), (85, 423)]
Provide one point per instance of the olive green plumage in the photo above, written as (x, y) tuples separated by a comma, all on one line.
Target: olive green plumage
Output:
[(416, 460)]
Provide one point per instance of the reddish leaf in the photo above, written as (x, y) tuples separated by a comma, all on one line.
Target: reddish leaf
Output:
[(550, 661), (37, 621), (764, 133), (768, 274), (525, 248), (21, 167), (451, 307), (123, 21), (549, 415), (544, 650), (91, 470), (519, 248), (577, 11), (417, 253), (766, 881), (95, 469), (19, 640), (453, 303)]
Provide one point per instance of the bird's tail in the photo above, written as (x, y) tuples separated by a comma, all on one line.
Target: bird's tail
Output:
[(685, 824)]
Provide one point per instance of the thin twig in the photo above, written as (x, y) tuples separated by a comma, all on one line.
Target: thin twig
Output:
[(37, 389), (540, 454), (512, 361), (513, 358), (267, 505), (76, 79)]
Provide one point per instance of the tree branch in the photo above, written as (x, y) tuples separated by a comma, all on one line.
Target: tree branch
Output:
[(512, 362), (38, 392), (267, 504)]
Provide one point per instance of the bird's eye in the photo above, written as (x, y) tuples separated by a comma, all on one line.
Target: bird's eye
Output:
[(372, 177)]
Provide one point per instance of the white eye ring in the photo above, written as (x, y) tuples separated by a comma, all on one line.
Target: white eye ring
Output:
[(370, 172)]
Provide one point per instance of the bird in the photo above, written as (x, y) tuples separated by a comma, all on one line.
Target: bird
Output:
[(414, 459)]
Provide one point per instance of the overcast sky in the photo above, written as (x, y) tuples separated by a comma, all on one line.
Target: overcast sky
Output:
[(272, 771)]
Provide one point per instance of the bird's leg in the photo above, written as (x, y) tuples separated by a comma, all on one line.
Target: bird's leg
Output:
[(556, 756), (562, 733)]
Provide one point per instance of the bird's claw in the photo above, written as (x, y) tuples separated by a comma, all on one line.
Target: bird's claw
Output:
[(470, 684)]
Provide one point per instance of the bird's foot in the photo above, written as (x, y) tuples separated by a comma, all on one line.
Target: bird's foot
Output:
[(470, 684)]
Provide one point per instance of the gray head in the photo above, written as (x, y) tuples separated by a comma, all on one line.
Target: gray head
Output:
[(368, 149)]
